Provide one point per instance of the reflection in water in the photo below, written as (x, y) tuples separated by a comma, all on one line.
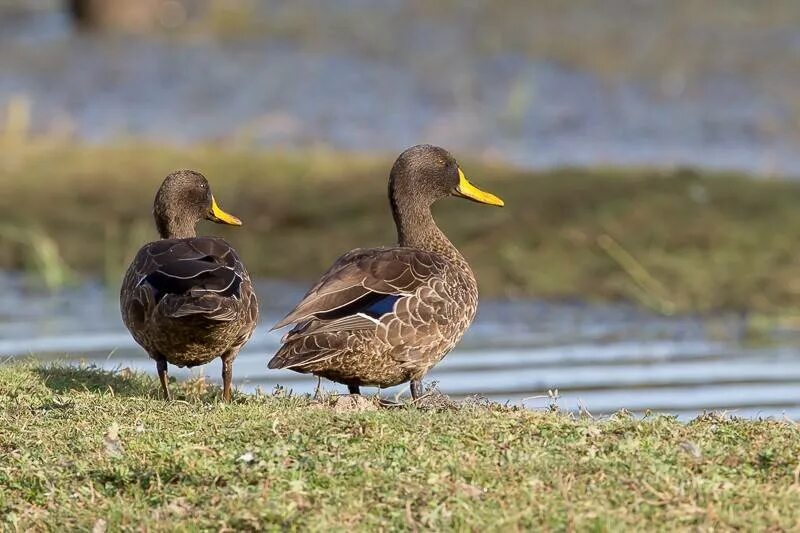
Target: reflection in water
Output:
[(603, 358)]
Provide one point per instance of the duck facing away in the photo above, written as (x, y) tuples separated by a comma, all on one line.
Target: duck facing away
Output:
[(385, 316), (186, 299)]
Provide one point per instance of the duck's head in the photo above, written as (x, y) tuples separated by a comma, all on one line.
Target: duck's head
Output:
[(183, 200), (424, 174)]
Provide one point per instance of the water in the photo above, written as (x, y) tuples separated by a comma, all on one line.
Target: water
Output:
[(424, 81), (600, 358)]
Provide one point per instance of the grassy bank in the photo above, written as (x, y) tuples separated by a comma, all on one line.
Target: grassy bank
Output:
[(81, 448), (674, 241)]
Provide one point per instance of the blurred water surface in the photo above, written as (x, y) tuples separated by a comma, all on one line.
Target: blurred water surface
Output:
[(599, 357), (531, 83)]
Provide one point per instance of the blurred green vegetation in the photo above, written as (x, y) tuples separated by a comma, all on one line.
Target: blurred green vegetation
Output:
[(671, 240)]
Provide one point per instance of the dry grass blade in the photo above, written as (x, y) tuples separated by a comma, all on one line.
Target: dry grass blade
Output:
[(655, 294)]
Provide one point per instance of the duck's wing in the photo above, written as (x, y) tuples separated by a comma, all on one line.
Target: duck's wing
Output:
[(361, 285), (350, 301), (205, 270)]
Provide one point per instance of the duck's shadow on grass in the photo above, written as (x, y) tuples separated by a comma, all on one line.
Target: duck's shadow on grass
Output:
[(63, 379), (124, 382)]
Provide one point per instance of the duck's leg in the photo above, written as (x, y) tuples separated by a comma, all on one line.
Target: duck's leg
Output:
[(227, 374), (353, 389), (161, 367), (416, 389)]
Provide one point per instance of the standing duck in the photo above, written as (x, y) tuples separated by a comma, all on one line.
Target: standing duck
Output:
[(385, 316), (186, 299)]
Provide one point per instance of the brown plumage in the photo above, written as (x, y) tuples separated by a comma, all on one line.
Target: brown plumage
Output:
[(384, 316), (186, 299)]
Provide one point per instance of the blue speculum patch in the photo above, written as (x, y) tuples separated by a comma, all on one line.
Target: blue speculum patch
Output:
[(381, 306)]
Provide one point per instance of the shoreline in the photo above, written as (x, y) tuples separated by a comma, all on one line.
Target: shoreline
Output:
[(674, 241)]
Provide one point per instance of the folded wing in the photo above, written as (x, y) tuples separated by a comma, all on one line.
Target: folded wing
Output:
[(360, 289), (205, 271), (361, 279)]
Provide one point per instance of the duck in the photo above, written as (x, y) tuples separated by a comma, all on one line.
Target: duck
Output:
[(187, 299), (385, 316)]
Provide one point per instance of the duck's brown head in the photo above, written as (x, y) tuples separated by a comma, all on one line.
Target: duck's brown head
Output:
[(424, 174), (183, 200)]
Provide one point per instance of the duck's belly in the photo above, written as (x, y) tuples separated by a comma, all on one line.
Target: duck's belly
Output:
[(378, 367), (189, 345), (378, 370)]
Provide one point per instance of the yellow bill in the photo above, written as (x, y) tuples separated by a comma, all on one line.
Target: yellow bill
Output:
[(218, 215), (467, 190)]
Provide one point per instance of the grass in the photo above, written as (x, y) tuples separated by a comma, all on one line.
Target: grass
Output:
[(672, 240), (83, 448)]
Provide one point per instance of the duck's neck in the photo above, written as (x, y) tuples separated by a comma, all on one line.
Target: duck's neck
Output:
[(417, 228), (176, 227)]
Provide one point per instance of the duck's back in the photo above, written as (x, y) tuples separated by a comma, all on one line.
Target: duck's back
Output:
[(197, 286)]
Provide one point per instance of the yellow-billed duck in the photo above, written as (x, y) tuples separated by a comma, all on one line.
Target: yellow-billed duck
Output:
[(385, 316), (187, 299)]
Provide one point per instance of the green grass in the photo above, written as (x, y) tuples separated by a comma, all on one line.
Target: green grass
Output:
[(672, 240), (81, 447)]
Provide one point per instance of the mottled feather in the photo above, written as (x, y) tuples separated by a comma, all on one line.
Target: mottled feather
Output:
[(345, 316), (389, 270), (190, 300)]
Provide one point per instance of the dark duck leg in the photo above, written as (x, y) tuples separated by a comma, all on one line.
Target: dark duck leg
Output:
[(161, 367), (227, 375), (353, 389), (416, 389)]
